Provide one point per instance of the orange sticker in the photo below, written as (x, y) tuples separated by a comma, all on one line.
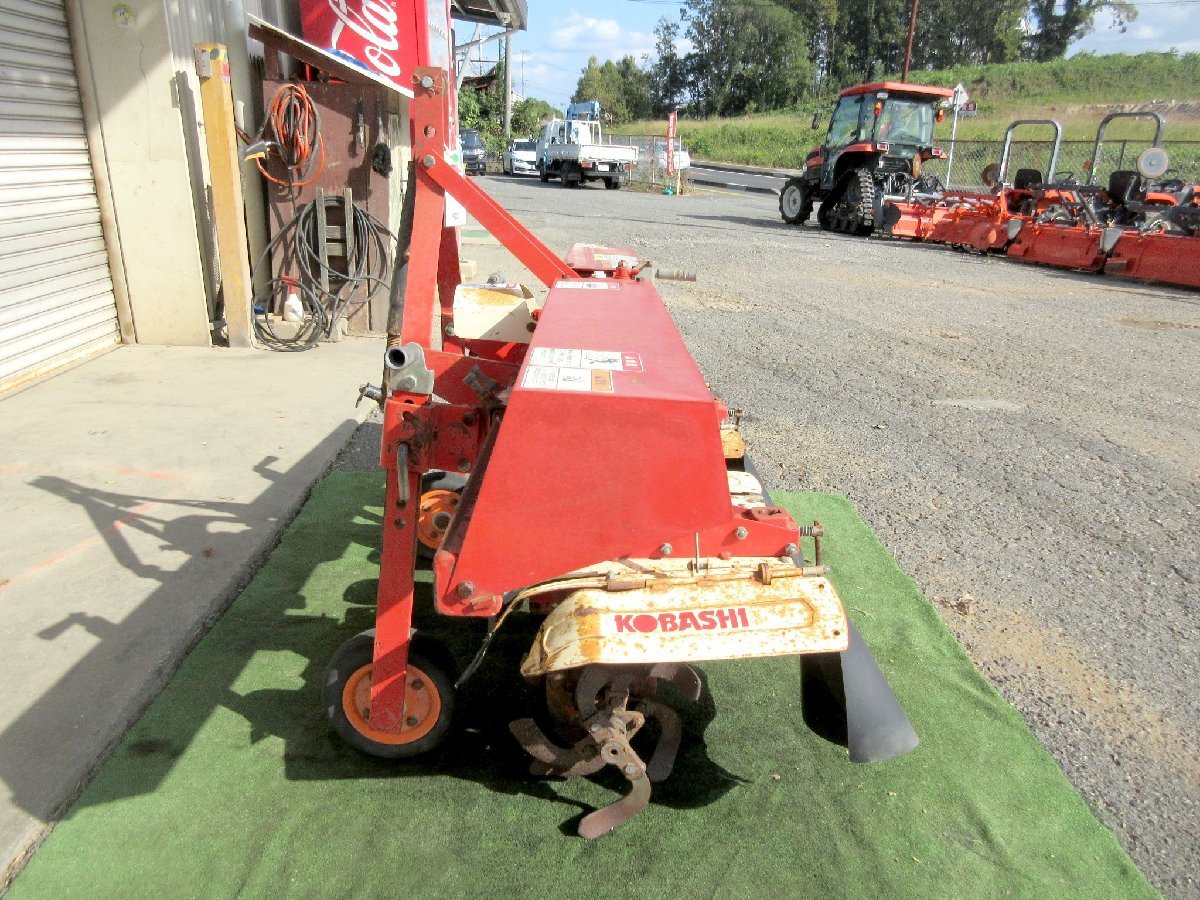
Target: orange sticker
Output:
[(602, 380)]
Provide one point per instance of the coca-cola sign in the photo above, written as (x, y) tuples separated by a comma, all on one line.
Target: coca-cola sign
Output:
[(380, 34)]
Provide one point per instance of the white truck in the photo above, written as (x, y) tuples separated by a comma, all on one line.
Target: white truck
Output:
[(573, 149)]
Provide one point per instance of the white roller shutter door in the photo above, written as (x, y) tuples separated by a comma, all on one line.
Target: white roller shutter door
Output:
[(56, 294)]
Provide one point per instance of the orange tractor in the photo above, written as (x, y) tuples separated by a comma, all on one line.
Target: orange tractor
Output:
[(879, 136)]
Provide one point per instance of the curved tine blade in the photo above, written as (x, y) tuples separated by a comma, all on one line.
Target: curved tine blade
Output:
[(551, 759), (876, 726), (683, 676), (663, 761), (536, 744), (586, 766), (602, 821), (591, 680)]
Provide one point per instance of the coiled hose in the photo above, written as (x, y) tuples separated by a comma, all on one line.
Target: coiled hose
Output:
[(370, 269)]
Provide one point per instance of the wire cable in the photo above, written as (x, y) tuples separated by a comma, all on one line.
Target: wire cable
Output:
[(369, 269), (293, 124)]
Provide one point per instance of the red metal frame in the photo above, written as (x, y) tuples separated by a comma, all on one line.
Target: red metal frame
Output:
[(447, 436), (625, 404)]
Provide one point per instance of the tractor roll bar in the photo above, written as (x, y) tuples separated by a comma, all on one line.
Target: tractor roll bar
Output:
[(1103, 127), (1008, 135)]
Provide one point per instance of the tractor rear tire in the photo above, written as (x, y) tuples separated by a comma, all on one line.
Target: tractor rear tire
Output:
[(612, 184), (795, 202), (543, 175), (429, 697), (860, 198), (850, 208)]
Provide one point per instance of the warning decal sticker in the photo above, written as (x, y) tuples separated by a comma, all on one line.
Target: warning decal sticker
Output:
[(612, 360), (561, 369)]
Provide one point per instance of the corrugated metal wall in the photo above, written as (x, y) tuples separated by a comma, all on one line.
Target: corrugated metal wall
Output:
[(192, 22), (56, 294)]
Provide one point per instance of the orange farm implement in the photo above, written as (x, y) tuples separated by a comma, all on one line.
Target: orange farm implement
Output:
[(1139, 225), (601, 486)]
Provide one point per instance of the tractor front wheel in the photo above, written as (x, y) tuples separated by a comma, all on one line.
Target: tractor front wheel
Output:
[(428, 697), (795, 202)]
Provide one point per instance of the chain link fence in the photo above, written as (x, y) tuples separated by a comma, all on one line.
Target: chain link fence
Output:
[(651, 166), (963, 170)]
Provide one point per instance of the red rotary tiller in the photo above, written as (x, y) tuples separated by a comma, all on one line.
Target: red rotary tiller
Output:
[(647, 543)]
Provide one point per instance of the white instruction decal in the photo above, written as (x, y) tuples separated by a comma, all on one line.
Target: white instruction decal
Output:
[(589, 285), (615, 259), (611, 360), (568, 378), (574, 380), (552, 356), (544, 377), (601, 359)]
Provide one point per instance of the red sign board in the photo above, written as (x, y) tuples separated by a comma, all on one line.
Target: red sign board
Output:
[(387, 37), (671, 142)]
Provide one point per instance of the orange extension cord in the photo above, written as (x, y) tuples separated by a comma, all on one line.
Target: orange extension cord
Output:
[(294, 124)]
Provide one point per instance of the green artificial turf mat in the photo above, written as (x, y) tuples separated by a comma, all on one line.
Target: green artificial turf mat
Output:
[(233, 784)]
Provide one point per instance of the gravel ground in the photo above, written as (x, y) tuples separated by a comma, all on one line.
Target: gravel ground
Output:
[(1026, 442)]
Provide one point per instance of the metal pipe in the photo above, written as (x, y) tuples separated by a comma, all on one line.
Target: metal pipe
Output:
[(508, 87), (1008, 135), (395, 321), (1103, 127)]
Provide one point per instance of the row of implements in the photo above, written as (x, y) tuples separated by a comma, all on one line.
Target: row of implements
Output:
[(656, 549), (1141, 223)]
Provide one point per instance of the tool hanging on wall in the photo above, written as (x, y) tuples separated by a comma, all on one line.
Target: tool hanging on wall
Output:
[(360, 129), (381, 153)]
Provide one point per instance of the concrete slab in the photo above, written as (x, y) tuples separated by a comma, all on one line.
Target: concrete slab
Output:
[(138, 493)]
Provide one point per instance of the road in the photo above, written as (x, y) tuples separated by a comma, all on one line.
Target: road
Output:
[(1026, 441), (709, 176)]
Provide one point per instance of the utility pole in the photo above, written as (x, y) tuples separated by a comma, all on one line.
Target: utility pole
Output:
[(912, 29), (524, 53), (508, 87)]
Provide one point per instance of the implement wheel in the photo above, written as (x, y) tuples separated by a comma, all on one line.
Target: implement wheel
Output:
[(428, 697), (440, 496), (795, 202)]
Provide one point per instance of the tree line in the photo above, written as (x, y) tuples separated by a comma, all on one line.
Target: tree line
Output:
[(748, 56)]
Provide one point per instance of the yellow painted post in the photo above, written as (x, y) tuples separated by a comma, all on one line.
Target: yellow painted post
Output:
[(228, 210)]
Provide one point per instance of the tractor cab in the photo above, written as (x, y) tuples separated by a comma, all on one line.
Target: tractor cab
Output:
[(886, 123)]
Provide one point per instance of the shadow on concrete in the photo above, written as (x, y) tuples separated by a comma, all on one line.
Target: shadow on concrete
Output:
[(275, 619), (50, 752)]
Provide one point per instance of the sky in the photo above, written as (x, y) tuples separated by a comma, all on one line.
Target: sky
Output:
[(549, 57)]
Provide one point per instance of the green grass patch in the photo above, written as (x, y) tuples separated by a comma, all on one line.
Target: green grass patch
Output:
[(232, 783)]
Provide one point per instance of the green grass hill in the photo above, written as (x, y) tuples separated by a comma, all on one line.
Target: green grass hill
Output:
[(1078, 92)]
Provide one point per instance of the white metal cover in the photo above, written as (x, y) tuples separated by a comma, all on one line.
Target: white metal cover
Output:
[(56, 294)]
